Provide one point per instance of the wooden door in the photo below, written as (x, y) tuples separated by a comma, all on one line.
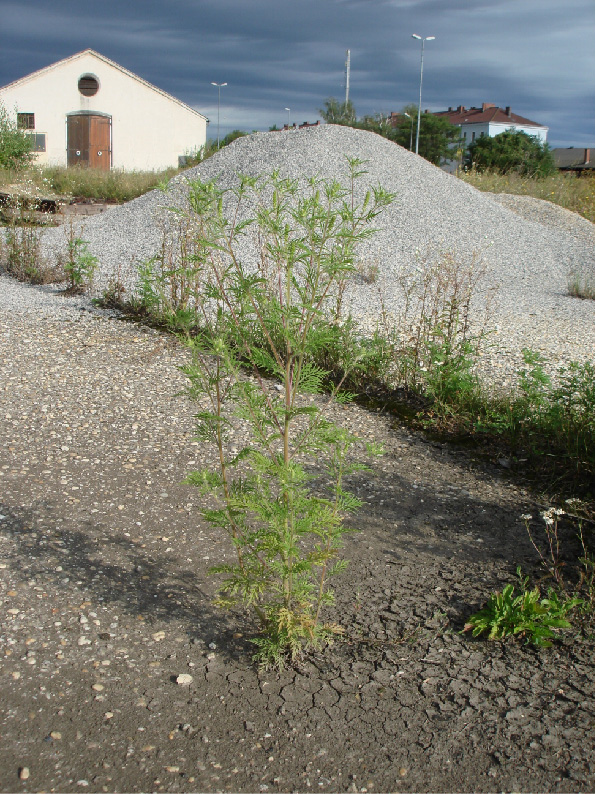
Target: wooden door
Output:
[(99, 142), (77, 140), (88, 140)]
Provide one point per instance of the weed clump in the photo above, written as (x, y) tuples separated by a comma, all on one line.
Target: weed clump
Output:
[(523, 612), (287, 540), (21, 251)]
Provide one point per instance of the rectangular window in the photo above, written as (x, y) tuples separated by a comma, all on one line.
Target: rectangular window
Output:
[(38, 141), (473, 136), (465, 135), (26, 121)]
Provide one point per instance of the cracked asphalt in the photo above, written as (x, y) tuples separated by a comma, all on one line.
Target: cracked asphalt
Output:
[(118, 673)]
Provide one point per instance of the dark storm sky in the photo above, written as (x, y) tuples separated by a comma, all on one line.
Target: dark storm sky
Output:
[(535, 55)]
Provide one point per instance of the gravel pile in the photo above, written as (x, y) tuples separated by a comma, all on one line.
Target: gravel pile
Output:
[(528, 254)]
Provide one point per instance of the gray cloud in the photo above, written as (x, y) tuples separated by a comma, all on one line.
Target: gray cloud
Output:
[(535, 55)]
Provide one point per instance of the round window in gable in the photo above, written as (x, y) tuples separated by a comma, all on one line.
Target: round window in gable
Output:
[(88, 85)]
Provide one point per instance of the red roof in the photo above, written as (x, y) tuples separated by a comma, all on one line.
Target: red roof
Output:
[(487, 113)]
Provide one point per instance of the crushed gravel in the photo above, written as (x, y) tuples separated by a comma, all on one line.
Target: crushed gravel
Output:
[(529, 247)]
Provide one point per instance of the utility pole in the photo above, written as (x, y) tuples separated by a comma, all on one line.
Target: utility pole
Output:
[(347, 76), (421, 40), (219, 86)]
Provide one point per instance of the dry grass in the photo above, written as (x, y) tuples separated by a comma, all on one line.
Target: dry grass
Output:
[(567, 190), (118, 186)]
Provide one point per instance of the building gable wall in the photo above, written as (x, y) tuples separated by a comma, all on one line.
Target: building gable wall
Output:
[(150, 129)]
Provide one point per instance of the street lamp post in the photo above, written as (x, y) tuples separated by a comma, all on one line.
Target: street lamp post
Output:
[(288, 109), (411, 127), (219, 86), (422, 40)]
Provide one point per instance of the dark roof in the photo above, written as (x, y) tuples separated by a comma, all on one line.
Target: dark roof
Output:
[(482, 115), (574, 158)]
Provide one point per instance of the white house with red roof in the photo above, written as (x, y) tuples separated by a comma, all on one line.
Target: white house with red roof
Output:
[(490, 120), (88, 110)]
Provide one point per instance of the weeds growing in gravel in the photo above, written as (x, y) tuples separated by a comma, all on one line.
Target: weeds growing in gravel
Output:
[(431, 339), (21, 252), (171, 284), (287, 540), (548, 424), (80, 264), (581, 285), (430, 350), (562, 413)]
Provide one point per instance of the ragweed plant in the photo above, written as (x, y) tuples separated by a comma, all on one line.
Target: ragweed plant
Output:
[(80, 264), (287, 539)]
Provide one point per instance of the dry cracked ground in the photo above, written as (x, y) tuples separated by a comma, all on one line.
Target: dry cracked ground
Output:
[(106, 601)]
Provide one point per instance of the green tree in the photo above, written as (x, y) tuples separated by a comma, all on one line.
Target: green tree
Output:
[(377, 122), (232, 136), (336, 112), (512, 150), (15, 145), (438, 140)]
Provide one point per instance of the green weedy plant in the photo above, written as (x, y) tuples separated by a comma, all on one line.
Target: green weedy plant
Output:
[(508, 613), (170, 287), (80, 264), (287, 538), (562, 412), (581, 285)]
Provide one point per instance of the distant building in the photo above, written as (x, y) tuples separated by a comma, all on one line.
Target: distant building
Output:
[(490, 120), (302, 126), (571, 159), (87, 110)]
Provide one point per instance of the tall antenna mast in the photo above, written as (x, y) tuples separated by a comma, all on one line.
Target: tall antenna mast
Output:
[(347, 76)]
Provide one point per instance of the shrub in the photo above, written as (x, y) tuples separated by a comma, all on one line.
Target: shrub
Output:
[(15, 144)]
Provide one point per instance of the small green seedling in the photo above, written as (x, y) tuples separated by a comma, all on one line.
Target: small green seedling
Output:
[(507, 613)]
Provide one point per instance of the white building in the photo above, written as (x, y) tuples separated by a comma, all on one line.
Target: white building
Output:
[(490, 120), (87, 110)]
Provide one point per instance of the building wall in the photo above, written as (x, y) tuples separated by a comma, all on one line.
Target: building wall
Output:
[(474, 131), (149, 129)]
